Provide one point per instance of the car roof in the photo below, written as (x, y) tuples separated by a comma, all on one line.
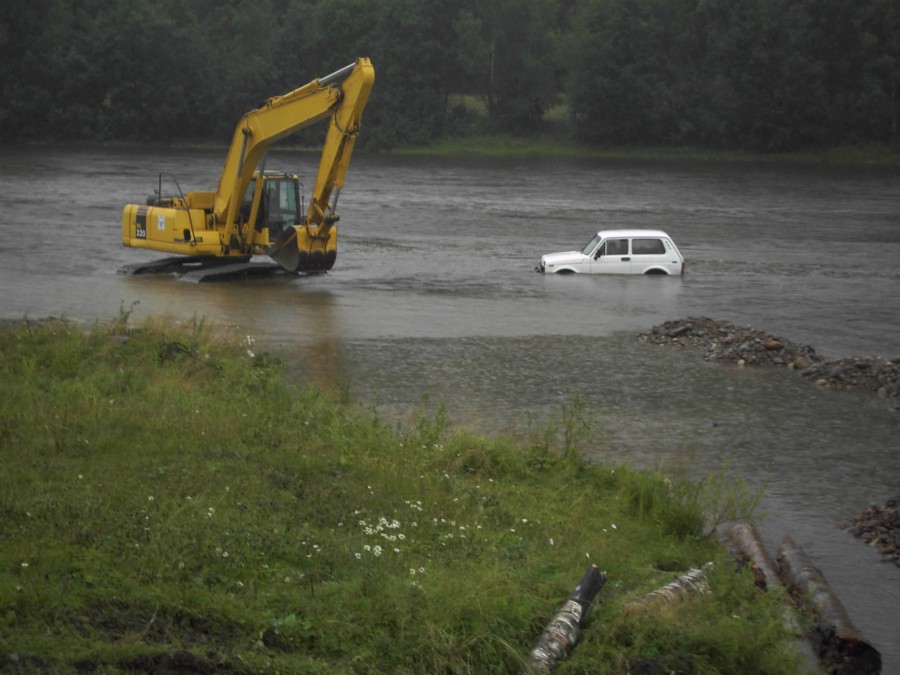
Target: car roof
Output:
[(605, 234)]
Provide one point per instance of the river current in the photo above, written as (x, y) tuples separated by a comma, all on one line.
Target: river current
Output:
[(434, 298)]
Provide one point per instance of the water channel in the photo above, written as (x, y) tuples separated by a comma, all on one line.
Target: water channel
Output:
[(434, 297)]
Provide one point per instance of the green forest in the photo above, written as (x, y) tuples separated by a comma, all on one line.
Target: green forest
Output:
[(757, 75)]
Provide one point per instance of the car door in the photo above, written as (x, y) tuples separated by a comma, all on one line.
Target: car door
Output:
[(612, 257), (648, 252)]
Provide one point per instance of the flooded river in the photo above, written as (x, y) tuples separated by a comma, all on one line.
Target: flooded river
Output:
[(434, 297)]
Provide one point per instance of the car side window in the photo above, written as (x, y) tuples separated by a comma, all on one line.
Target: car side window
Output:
[(647, 246), (616, 247)]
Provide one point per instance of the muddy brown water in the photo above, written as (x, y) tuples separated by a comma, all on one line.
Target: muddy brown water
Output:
[(434, 297)]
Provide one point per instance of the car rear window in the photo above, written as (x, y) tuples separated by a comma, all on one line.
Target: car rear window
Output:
[(647, 246)]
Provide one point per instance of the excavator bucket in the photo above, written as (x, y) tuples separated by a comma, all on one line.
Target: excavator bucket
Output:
[(302, 252)]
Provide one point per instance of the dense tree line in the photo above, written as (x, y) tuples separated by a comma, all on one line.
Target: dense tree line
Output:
[(755, 74)]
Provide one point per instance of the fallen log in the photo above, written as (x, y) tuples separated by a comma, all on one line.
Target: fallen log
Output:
[(743, 543), (561, 634), (691, 583), (841, 647)]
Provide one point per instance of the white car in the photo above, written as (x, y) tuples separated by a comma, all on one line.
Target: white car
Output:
[(619, 252)]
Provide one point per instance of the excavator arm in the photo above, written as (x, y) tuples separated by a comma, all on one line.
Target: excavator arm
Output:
[(339, 141), (342, 96)]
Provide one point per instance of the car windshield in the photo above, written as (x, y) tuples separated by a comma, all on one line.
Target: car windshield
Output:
[(592, 244)]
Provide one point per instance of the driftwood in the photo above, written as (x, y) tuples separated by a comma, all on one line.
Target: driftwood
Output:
[(743, 543), (691, 583), (561, 634), (841, 647)]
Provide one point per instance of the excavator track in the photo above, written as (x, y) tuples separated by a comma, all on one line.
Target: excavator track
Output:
[(198, 269), (180, 264)]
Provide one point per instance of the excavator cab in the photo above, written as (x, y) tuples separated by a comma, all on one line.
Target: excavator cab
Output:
[(280, 204)]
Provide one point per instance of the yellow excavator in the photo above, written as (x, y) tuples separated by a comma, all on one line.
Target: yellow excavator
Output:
[(256, 212)]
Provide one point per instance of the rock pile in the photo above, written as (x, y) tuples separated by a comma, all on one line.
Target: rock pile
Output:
[(879, 526), (879, 376), (719, 340)]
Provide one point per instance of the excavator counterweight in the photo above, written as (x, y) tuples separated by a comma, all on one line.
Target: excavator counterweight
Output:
[(256, 212)]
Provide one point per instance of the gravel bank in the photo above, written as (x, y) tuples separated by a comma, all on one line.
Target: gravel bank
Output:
[(879, 527), (720, 340)]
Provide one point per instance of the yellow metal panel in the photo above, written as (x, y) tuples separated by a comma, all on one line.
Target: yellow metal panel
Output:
[(200, 200), (170, 230)]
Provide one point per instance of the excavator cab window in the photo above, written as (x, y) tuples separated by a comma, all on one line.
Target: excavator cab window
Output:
[(280, 207)]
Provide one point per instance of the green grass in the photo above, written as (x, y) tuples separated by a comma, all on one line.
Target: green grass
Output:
[(553, 146), (558, 144), (168, 500)]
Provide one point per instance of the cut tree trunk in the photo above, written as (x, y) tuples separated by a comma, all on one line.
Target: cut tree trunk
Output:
[(690, 583), (743, 543), (561, 634), (841, 647)]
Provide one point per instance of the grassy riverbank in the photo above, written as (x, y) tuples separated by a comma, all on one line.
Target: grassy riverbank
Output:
[(557, 146), (168, 500), (549, 147)]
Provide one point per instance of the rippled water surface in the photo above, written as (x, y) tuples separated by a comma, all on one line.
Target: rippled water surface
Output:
[(434, 295)]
